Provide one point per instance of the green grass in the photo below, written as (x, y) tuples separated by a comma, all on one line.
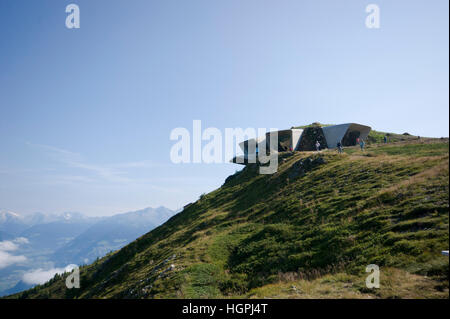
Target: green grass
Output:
[(311, 125), (258, 235), (378, 137), (422, 149)]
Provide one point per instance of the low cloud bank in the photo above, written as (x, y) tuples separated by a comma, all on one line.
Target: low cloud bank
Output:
[(7, 259), (7, 246), (41, 276)]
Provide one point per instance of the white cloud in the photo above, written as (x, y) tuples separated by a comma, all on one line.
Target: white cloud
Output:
[(11, 245), (6, 246), (41, 276), (21, 240), (6, 259)]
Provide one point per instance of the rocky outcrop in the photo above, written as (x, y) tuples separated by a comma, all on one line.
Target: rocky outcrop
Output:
[(304, 165)]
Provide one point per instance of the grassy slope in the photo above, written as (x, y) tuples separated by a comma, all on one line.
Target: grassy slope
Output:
[(288, 236)]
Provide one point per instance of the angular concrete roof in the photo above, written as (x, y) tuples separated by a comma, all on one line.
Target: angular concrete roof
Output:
[(347, 134), (337, 133)]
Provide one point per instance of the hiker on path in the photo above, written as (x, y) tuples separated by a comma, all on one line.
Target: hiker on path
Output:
[(385, 139), (357, 140), (362, 144), (339, 146), (317, 146)]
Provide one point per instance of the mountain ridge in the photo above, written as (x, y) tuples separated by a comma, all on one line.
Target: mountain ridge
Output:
[(315, 224), (112, 232)]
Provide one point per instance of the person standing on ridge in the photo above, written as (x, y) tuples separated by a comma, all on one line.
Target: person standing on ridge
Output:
[(339, 146), (361, 144), (317, 146), (385, 139)]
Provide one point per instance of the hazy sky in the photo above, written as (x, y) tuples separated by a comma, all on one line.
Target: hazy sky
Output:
[(86, 114)]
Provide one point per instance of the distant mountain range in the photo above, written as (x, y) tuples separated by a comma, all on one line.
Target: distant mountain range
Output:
[(48, 241), (14, 224), (20, 286), (110, 234)]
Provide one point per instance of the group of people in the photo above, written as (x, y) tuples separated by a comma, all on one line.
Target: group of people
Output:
[(339, 145), (359, 141)]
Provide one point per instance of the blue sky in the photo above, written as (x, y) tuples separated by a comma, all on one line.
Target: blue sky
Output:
[(86, 114)]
